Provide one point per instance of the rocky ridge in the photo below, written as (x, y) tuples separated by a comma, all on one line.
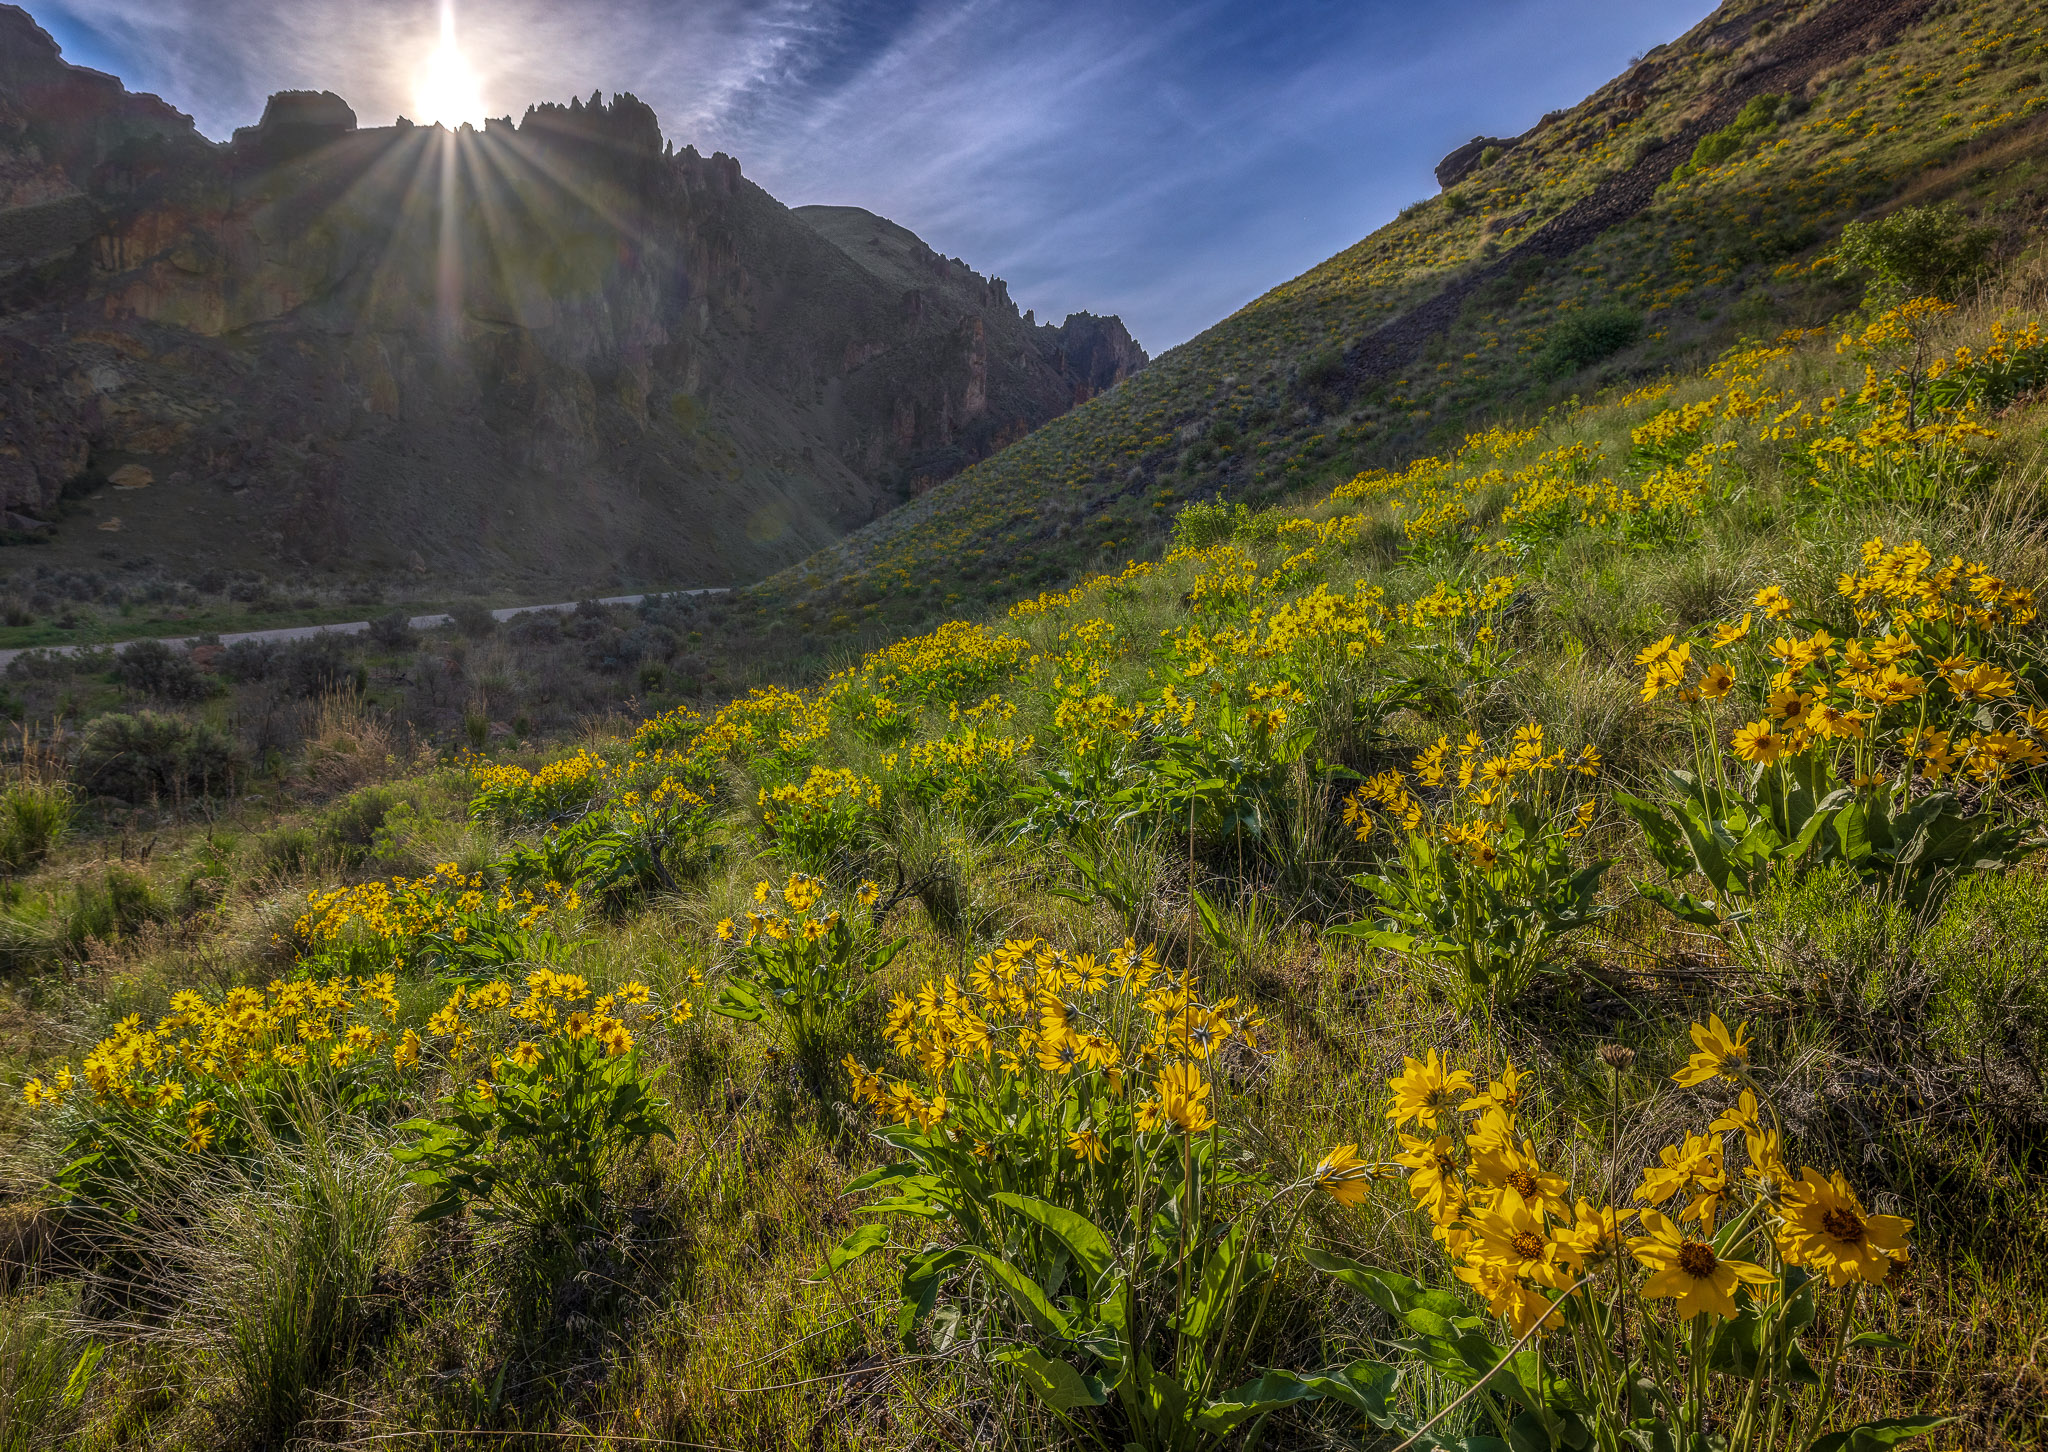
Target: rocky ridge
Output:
[(561, 351)]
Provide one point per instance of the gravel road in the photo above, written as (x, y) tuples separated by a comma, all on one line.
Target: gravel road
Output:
[(352, 627)]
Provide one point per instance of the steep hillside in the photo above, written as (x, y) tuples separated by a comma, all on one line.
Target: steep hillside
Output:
[(1588, 251), (552, 356)]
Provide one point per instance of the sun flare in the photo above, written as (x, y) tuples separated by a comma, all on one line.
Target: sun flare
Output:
[(444, 88)]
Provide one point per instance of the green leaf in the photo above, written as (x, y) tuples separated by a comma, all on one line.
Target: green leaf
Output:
[(1057, 1384), (1273, 1390), (857, 1246), (886, 1175), (922, 1275), (1084, 1242), (1684, 906), (1874, 1436), (1878, 1341), (75, 1385), (1029, 1299), (1390, 1291), (1367, 1387)]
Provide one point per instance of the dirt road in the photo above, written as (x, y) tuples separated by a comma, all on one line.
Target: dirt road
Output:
[(352, 627)]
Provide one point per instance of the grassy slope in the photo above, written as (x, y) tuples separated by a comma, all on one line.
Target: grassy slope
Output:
[(1254, 408), (1907, 1052), (1902, 1051)]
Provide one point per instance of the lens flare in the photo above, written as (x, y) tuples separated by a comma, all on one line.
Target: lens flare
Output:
[(444, 88)]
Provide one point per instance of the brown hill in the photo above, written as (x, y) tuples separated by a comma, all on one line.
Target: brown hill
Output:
[(554, 355)]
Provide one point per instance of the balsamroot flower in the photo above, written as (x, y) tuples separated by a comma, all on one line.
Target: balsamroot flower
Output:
[(1826, 1229), (1689, 1271), (1422, 1091), (1717, 1053), (1343, 1176)]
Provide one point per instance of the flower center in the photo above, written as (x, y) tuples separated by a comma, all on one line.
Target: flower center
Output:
[(1843, 1224), (1445, 1165), (1696, 1260), (1523, 1183), (1528, 1245)]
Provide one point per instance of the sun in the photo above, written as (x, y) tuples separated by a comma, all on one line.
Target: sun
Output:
[(444, 88)]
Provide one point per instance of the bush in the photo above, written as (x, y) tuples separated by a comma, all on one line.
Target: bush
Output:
[(1586, 338), (1323, 370), (149, 756), (473, 620), (33, 817), (159, 670), (319, 666), (110, 909), (249, 660), (393, 632), (1717, 146), (1916, 252)]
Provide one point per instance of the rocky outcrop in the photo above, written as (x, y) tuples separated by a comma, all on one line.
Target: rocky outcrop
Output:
[(1465, 160), (560, 350)]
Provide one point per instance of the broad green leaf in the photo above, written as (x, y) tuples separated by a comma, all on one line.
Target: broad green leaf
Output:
[(857, 1246), (1057, 1384), (1029, 1299), (1390, 1291), (1367, 1387), (1273, 1390), (1875, 1436), (1088, 1245)]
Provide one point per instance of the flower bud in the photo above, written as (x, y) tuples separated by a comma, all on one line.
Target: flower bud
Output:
[(1617, 1056)]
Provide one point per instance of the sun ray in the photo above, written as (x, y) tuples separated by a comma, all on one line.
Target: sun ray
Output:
[(446, 89)]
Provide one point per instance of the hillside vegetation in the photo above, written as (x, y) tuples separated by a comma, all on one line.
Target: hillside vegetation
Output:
[(1541, 944), (1534, 943), (1692, 201)]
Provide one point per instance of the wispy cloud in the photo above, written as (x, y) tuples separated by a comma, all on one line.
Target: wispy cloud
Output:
[(1164, 159)]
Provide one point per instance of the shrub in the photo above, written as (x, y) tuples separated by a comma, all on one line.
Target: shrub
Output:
[(1484, 878), (148, 756), (830, 813), (1198, 525), (1585, 338), (474, 620), (159, 670), (532, 1144), (111, 908), (319, 666), (1054, 1121), (1916, 252), (34, 816), (393, 632), (801, 972), (1760, 114), (250, 660), (1897, 751), (1322, 370)]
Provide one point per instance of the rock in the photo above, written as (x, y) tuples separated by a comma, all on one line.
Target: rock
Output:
[(267, 317), (131, 476), (296, 123), (111, 526), (1465, 160)]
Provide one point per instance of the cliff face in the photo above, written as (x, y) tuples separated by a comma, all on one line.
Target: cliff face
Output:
[(558, 352)]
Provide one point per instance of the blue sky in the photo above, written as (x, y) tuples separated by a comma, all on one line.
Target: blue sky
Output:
[(1168, 160)]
